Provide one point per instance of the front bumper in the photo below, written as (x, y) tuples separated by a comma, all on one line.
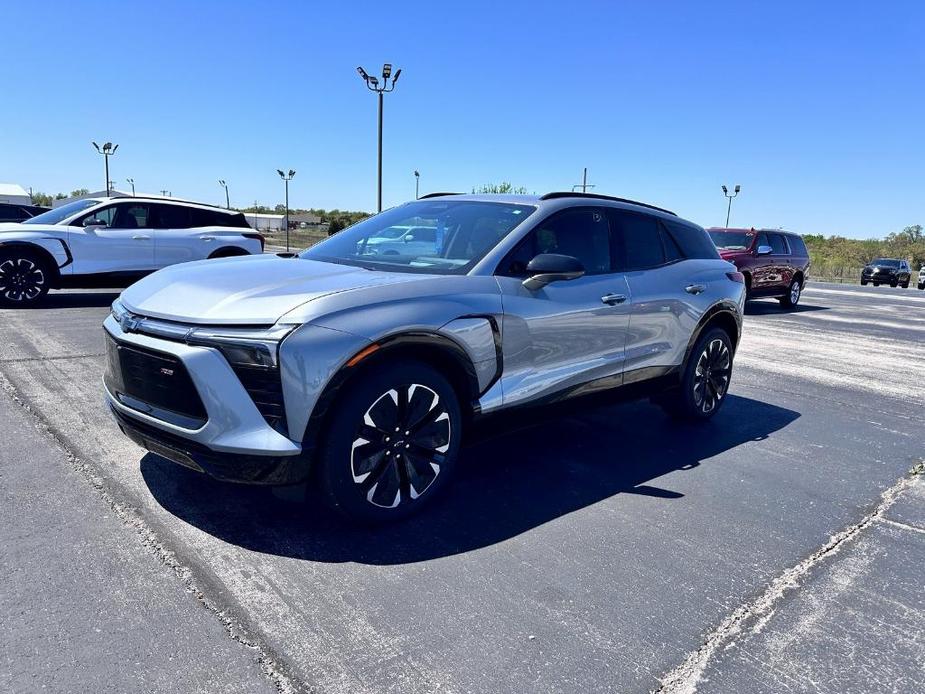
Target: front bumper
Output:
[(232, 441)]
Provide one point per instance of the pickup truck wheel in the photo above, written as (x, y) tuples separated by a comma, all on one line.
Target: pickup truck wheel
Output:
[(905, 285), (24, 278), (863, 283), (893, 283), (392, 444), (704, 380), (792, 297), (921, 285)]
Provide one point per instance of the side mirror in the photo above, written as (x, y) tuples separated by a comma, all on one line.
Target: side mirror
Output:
[(94, 223), (764, 250), (408, 238), (552, 267)]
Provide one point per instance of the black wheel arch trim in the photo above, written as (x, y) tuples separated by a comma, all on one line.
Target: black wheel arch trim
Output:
[(727, 308), (53, 266)]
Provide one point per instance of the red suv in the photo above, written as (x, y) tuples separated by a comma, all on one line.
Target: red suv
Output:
[(775, 262)]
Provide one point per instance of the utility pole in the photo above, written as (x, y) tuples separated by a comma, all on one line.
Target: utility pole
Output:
[(165, 193), (372, 83), (107, 150), (584, 185), (730, 197), (286, 178), (131, 182)]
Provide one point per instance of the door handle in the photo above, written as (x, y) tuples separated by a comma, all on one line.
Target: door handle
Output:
[(140, 237), (207, 238), (695, 289), (613, 299)]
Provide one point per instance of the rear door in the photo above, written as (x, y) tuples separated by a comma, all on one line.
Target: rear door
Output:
[(570, 332), (122, 242), (781, 264), (175, 239), (668, 296)]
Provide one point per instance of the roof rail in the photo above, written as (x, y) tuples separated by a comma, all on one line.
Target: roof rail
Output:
[(599, 196), (437, 195)]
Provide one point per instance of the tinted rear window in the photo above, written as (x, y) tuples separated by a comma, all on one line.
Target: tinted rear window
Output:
[(640, 240), (797, 246)]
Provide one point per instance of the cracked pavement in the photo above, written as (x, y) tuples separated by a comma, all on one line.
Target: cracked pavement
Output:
[(598, 551)]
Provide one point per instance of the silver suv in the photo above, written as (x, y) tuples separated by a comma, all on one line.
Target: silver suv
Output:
[(366, 370)]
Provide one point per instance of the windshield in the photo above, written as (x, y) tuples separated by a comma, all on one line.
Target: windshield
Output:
[(58, 214), (885, 262), (438, 236), (390, 233), (732, 240)]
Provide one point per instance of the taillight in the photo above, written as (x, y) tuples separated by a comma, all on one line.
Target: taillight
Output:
[(257, 237), (736, 277)]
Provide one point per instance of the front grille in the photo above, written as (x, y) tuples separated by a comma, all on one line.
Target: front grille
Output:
[(266, 390), (153, 382)]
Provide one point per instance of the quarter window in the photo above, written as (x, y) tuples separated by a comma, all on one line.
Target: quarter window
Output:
[(172, 217)]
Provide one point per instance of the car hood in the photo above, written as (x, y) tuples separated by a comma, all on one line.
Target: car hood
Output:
[(6, 227), (727, 254), (255, 290)]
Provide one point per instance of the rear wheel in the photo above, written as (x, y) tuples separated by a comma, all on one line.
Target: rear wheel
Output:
[(392, 443), (704, 381), (905, 285), (863, 283), (792, 297), (24, 278), (893, 283), (921, 285)]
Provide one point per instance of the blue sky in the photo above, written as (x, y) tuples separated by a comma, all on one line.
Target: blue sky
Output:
[(816, 109)]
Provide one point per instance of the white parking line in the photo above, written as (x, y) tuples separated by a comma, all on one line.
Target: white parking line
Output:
[(860, 292)]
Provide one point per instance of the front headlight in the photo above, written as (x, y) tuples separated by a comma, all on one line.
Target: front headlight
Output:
[(253, 347)]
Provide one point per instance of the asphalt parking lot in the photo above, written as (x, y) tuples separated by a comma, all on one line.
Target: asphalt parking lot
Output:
[(777, 548)]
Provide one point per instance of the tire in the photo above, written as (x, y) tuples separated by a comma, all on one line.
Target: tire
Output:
[(792, 297), (904, 285), (376, 465), (24, 278), (921, 285), (863, 283), (701, 392), (894, 283), (876, 284)]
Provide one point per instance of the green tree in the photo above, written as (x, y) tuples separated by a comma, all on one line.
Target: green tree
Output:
[(505, 187), (43, 199), (78, 192)]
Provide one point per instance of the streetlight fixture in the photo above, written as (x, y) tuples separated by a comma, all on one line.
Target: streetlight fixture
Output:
[(227, 199), (372, 83), (131, 182), (730, 197), (417, 184), (286, 178), (107, 150)]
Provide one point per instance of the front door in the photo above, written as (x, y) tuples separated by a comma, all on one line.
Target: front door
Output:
[(121, 242), (567, 334)]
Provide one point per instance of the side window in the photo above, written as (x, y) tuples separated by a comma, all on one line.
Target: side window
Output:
[(693, 241), (171, 217), (131, 216), (672, 250), (583, 233), (778, 245), (104, 215), (206, 218), (797, 246), (640, 239), (427, 234)]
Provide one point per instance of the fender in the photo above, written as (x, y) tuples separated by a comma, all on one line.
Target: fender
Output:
[(725, 310), (53, 250)]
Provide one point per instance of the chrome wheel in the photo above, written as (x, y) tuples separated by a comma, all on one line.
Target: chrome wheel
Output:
[(401, 445), (794, 293), (711, 375), (21, 279)]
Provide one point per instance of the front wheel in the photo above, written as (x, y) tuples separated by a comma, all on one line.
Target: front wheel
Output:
[(704, 380), (863, 283), (905, 285), (921, 285), (792, 297), (392, 444), (24, 278)]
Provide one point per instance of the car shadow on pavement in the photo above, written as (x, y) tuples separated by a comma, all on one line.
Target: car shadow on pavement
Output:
[(76, 300), (764, 308), (507, 484)]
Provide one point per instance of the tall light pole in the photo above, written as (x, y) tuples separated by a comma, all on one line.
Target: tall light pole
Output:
[(417, 184), (730, 197), (372, 83), (227, 199), (107, 150), (286, 178), (131, 182)]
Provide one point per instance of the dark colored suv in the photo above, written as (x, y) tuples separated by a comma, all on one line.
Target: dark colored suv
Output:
[(891, 271), (12, 212), (775, 262)]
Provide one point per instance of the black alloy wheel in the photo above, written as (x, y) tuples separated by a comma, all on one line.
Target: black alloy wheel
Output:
[(23, 279)]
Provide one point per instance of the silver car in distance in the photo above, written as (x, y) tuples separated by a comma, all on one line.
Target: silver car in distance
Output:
[(366, 370)]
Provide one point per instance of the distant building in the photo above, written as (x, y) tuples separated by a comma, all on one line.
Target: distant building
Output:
[(304, 220), (265, 222), (14, 193)]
